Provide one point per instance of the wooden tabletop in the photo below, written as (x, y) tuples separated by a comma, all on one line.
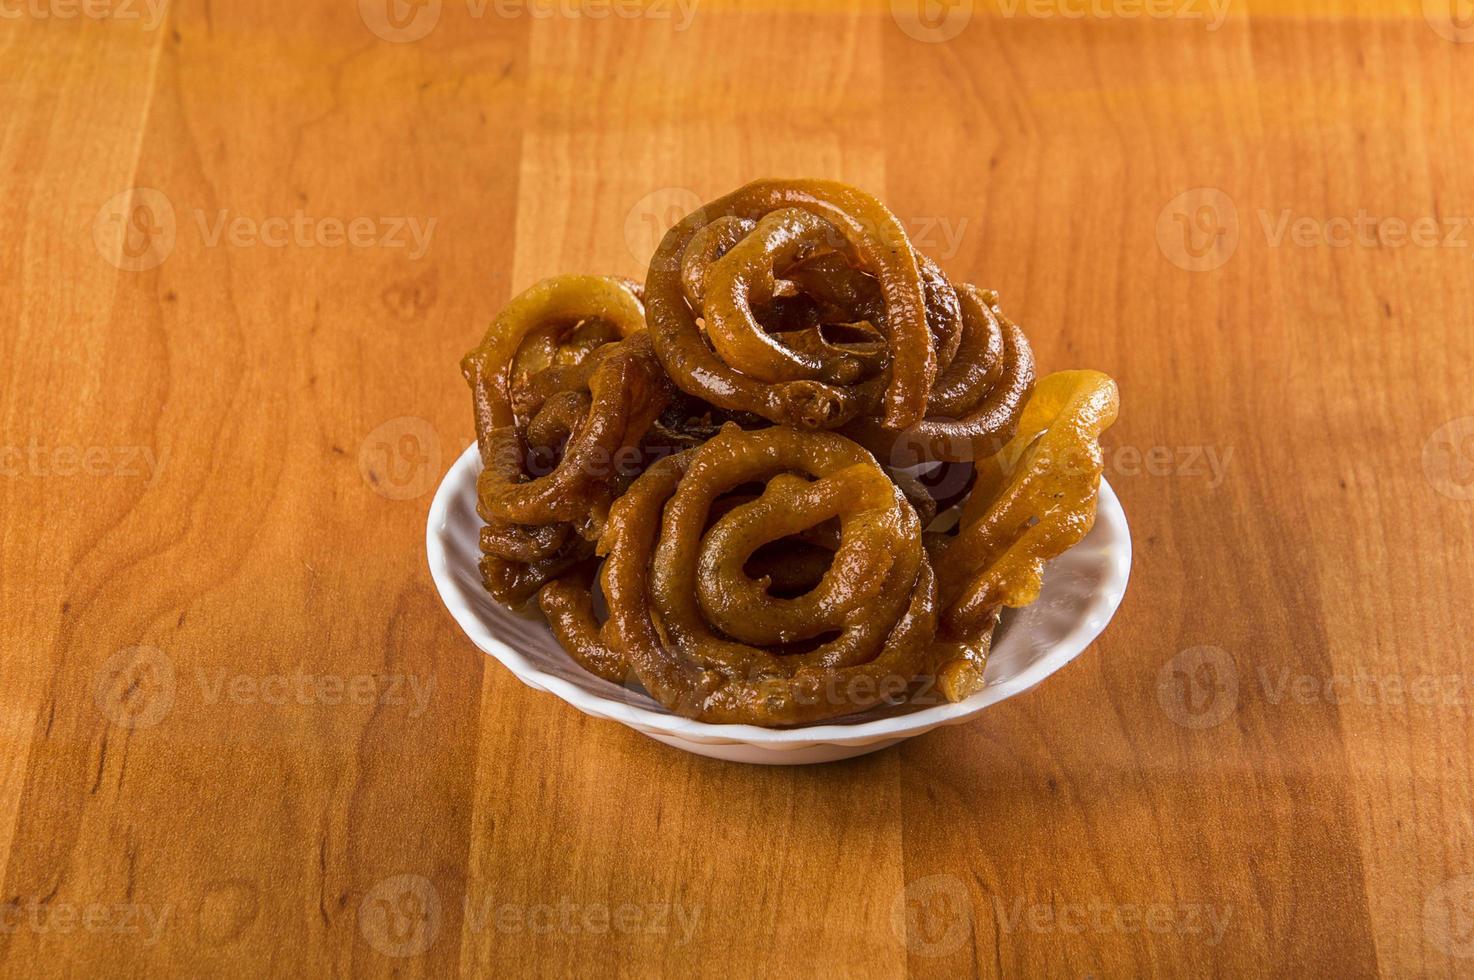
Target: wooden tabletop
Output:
[(245, 246)]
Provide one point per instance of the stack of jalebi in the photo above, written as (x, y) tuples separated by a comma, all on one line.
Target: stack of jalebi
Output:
[(733, 453)]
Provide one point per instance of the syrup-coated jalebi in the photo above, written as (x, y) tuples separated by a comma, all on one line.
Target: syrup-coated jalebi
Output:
[(671, 446), (977, 398), (722, 264), (1031, 502), (564, 387), (710, 641), (804, 303)]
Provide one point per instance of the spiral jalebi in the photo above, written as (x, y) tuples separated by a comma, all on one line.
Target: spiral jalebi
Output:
[(721, 265), (709, 640), (565, 387), (729, 453)]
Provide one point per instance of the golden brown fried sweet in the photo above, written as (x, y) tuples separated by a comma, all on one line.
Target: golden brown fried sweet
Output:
[(978, 396), (721, 265), (778, 575), (1030, 503), (568, 604), (710, 641), (957, 664), (513, 582), (565, 386), (580, 443)]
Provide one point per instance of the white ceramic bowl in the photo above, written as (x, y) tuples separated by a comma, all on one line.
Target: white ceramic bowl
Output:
[(1082, 589)]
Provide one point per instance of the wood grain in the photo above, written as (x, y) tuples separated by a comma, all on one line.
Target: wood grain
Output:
[(239, 733)]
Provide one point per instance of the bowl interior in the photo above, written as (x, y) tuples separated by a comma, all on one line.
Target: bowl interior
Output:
[(1082, 589)]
